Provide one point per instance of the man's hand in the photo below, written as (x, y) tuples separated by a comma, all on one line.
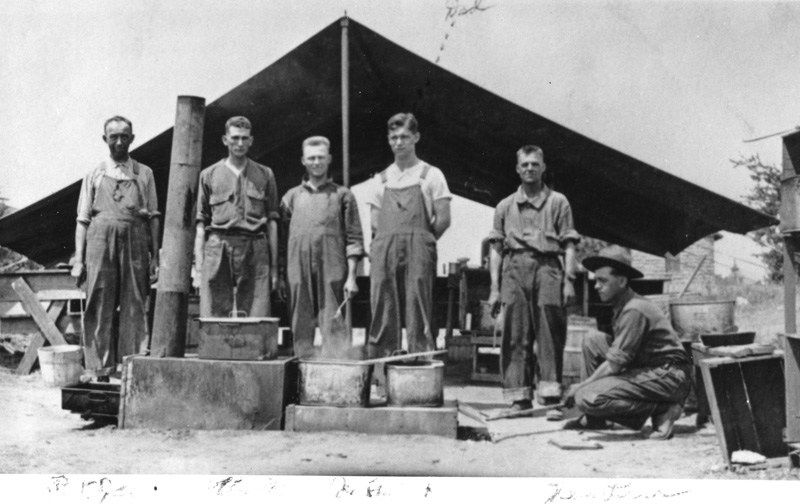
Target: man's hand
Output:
[(569, 397), (153, 270), (283, 290), (274, 279), (350, 288), (494, 301), (569, 292), (78, 273)]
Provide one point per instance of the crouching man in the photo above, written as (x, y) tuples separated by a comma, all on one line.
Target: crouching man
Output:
[(640, 372)]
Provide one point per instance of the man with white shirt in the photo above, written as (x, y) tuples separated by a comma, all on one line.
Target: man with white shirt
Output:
[(409, 211), (236, 245), (116, 243)]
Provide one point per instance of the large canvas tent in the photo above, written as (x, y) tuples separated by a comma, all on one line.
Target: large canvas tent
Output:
[(467, 131)]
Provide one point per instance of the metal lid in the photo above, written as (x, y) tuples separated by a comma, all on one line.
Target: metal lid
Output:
[(238, 320)]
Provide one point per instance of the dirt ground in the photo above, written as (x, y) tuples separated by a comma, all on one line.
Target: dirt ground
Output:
[(39, 437)]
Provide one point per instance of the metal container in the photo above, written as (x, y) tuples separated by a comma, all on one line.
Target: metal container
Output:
[(248, 338), (334, 383), (573, 354), (718, 340), (415, 383), (695, 316)]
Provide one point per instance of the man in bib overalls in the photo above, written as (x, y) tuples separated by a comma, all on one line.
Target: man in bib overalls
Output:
[(325, 244), (409, 211), (116, 243)]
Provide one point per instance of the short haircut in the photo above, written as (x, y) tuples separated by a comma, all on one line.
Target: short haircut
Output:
[(404, 120), (530, 149), (117, 118), (238, 122), (317, 140)]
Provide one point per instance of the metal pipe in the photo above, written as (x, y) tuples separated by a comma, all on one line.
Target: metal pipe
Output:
[(175, 282), (345, 103)]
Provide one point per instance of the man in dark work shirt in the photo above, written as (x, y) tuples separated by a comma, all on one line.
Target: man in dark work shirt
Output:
[(640, 372)]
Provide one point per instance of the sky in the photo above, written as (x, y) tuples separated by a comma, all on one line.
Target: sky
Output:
[(676, 84)]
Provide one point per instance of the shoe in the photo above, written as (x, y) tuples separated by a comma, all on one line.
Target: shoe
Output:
[(555, 415), (664, 423), (586, 422), (522, 405)]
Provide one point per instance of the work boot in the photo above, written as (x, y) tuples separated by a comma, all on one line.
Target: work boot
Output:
[(664, 423), (586, 422)]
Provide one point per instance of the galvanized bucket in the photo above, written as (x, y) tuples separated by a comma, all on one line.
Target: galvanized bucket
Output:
[(415, 383), (334, 383)]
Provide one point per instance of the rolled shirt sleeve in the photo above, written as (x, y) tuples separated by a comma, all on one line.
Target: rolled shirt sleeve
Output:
[(565, 222), (498, 233), (629, 331), (86, 199), (151, 198), (203, 206), (352, 222), (273, 203)]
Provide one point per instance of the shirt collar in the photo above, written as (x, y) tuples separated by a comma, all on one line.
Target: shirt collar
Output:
[(125, 166), (537, 202), (622, 301), (306, 182)]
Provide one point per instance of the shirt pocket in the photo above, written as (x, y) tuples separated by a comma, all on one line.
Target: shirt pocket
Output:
[(257, 201), (223, 209)]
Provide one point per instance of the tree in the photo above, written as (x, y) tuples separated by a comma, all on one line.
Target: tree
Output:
[(765, 197)]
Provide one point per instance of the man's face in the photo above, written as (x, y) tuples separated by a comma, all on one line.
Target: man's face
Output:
[(530, 168), (609, 286), (316, 160), (402, 141), (118, 137), (238, 141)]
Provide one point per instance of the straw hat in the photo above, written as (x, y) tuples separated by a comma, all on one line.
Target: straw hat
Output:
[(616, 257)]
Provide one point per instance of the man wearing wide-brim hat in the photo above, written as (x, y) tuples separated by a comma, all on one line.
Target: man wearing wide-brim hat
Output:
[(640, 372)]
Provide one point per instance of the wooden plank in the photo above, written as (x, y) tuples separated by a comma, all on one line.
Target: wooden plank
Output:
[(39, 280), (764, 384), (66, 324), (32, 353), (384, 420), (715, 412), (32, 306), (184, 393), (58, 294)]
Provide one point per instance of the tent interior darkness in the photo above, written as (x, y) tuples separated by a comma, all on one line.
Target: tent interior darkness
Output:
[(469, 132)]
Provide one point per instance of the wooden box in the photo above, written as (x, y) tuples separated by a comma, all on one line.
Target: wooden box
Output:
[(252, 338), (92, 400), (747, 398), (188, 393)]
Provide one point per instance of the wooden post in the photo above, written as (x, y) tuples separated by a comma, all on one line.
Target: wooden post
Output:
[(345, 103), (790, 228), (174, 283)]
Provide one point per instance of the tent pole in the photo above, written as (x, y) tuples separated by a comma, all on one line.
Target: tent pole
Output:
[(174, 283), (345, 103)]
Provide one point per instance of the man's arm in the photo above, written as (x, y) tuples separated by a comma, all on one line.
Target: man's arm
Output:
[(79, 267), (441, 215), (350, 286), (495, 261), (154, 248), (273, 252), (199, 244), (373, 219), (569, 273)]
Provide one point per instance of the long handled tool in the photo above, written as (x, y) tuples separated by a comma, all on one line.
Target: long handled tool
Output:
[(522, 413), (394, 358)]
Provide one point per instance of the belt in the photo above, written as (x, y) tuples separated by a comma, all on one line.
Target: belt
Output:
[(238, 233), (531, 253)]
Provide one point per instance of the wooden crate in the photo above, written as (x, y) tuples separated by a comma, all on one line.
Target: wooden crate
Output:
[(748, 403), (189, 393)]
